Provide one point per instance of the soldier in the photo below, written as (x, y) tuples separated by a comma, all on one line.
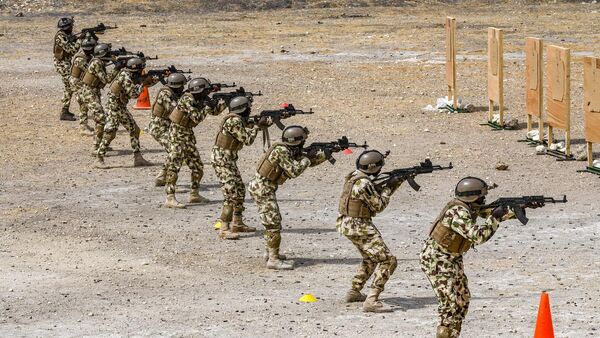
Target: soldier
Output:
[(233, 135), (96, 77), (65, 46), (360, 201), (453, 233), (191, 109), (165, 102), (128, 84), (78, 68), (280, 162)]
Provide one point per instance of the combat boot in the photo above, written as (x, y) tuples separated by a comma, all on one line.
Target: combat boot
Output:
[(373, 304), (66, 115), (84, 130), (172, 202), (100, 164), (196, 198), (280, 256), (354, 296), (238, 224), (226, 233), (276, 263), (161, 178), (139, 161)]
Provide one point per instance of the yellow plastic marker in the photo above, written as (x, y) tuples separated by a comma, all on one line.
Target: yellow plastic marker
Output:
[(307, 298), (218, 225)]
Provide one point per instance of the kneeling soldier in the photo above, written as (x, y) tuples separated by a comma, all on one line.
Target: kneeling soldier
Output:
[(453, 233), (234, 134), (281, 162), (360, 201)]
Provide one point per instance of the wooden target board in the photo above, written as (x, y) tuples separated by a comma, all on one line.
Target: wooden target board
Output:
[(496, 73), (591, 103), (558, 98), (450, 25), (534, 87)]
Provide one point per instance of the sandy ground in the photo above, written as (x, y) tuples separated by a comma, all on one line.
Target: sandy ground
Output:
[(86, 252)]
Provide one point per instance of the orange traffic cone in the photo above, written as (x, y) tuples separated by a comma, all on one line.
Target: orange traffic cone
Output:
[(143, 101), (543, 326)]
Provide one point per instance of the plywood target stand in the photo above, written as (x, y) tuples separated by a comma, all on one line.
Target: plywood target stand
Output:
[(558, 99), (534, 86), (450, 26), (591, 107), (495, 76)]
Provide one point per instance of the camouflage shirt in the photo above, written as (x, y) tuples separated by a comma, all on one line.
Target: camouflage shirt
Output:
[(292, 168), (364, 190), (97, 68), (195, 111), (68, 43), (129, 88), (81, 61), (236, 128), (167, 99)]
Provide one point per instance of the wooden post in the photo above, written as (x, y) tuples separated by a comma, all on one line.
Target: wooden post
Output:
[(496, 73), (591, 104), (450, 26), (558, 99), (534, 85), (590, 154)]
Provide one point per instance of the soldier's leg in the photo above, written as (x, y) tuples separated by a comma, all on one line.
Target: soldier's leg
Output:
[(363, 273), (378, 253), (236, 194), (271, 220), (84, 127), (197, 167), (463, 298), (64, 69), (109, 134), (160, 132), (176, 155), (132, 127)]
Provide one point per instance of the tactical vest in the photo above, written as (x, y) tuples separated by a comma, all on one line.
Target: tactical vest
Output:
[(158, 109), (225, 140), (179, 117), (447, 238), (351, 206), (59, 53), (269, 170), (117, 90), (77, 72), (90, 79)]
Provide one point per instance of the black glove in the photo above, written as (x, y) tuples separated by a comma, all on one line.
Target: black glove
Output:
[(535, 205), (312, 153), (211, 103), (499, 212), (393, 182), (263, 122), (120, 64)]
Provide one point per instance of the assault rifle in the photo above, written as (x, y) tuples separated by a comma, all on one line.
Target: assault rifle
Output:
[(92, 31), (408, 174), (162, 73), (218, 86), (518, 204), (333, 147), (287, 110), (227, 97)]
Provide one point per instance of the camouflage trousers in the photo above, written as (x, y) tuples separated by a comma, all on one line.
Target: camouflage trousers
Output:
[(447, 277), (183, 150), (83, 109), (264, 194), (63, 68), (119, 115), (91, 100), (377, 260), (159, 129)]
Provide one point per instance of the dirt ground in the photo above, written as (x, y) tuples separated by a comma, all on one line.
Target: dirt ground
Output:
[(88, 252)]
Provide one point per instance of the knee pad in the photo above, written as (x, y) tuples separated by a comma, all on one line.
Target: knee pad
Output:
[(197, 176), (227, 213), (171, 177)]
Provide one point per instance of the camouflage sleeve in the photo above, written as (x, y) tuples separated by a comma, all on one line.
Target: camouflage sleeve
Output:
[(364, 190), (292, 168), (98, 69), (186, 103), (79, 62), (165, 99), (69, 46), (485, 213), (459, 219), (130, 88), (235, 127)]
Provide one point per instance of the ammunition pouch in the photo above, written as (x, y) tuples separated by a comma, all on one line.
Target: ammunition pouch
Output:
[(271, 171), (117, 90), (448, 239), (77, 72), (92, 81), (178, 117), (160, 110), (353, 207), (224, 140), (59, 53)]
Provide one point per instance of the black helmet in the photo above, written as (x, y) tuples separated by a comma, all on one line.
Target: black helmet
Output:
[(65, 23), (88, 44), (135, 64), (370, 161), (101, 50)]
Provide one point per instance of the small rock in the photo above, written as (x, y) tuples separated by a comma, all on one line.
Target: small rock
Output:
[(501, 166), (19, 15), (143, 26)]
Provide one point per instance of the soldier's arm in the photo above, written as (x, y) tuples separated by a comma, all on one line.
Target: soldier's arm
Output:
[(320, 158), (217, 108), (364, 190), (195, 114), (459, 219), (291, 167), (235, 127), (70, 47), (132, 89)]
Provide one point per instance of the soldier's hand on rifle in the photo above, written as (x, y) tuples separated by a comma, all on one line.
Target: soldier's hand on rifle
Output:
[(500, 211), (535, 204), (312, 153), (120, 64), (264, 122), (394, 182), (211, 103)]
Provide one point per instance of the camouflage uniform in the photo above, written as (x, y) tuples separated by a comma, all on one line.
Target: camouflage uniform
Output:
[(182, 141), (224, 161), (91, 96), (377, 258), (263, 190), (160, 124), (118, 113), (80, 61), (445, 270), (65, 46)]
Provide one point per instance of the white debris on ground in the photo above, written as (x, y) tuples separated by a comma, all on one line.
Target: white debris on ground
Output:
[(534, 135), (509, 123), (596, 164), (444, 104), (541, 149), (580, 153)]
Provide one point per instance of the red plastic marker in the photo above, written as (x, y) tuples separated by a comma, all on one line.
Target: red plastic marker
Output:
[(285, 105), (348, 151)]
